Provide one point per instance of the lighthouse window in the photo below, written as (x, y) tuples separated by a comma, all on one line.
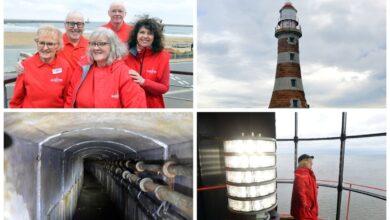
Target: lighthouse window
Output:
[(295, 103), (293, 82), (292, 56), (291, 40)]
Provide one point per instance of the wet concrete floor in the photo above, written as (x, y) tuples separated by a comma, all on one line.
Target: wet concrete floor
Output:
[(94, 203)]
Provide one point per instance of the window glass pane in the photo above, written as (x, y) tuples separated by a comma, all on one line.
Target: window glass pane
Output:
[(319, 124), (285, 124), (366, 122)]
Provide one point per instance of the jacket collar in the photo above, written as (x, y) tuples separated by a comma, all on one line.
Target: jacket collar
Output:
[(304, 171), (39, 62), (83, 42), (147, 51)]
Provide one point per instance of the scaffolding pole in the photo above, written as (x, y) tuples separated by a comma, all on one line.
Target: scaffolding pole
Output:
[(296, 142)]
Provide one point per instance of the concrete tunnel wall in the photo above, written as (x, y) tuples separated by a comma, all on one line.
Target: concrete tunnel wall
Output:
[(44, 166)]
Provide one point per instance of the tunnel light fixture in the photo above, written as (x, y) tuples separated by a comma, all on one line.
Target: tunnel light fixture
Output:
[(251, 174)]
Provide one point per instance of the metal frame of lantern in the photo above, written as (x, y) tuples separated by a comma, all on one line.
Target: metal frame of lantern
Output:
[(250, 165)]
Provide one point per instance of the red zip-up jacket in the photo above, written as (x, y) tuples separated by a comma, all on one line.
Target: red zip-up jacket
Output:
[(42, 85), (304, 205), (75, 55), (105, 87), (154, 68)]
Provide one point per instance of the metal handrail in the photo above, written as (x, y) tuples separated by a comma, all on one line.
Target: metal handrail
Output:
[(291, 181), (188, 73), (367, 193)]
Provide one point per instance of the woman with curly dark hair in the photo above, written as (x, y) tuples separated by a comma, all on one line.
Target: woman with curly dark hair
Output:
[(148, 62)]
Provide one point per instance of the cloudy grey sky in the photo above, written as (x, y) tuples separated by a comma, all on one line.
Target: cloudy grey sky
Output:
[(342, 52), (171, 11), (327, 123)]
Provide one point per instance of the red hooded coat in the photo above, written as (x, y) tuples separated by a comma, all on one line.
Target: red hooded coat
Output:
[(105, 87), (154, 68), (304, 205)]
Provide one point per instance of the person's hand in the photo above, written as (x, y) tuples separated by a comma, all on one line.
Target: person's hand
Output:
[(19, 67), (136, 77)]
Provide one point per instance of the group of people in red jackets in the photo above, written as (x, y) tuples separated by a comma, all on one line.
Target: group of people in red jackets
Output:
[(119, 66)]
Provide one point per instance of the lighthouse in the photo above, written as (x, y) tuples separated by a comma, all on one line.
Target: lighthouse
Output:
[(288, 88)]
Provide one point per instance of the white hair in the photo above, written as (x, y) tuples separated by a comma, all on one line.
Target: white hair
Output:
[(48, 29), (74, 13), (118, 2)]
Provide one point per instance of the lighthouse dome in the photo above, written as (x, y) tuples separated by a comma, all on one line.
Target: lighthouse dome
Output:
[(288, 12)]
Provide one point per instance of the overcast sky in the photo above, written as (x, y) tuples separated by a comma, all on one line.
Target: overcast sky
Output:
[(327, 123), (171, 11), (342, 52)]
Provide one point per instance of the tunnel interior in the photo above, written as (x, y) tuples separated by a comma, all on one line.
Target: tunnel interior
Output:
[(142, 162)]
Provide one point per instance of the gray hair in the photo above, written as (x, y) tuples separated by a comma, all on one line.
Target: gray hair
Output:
[(74, 13), (117, 48), (48, 29)]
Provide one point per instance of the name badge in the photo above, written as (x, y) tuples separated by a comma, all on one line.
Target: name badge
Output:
[(56, 71)]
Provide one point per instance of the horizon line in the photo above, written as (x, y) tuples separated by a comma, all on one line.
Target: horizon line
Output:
[(62, 21)]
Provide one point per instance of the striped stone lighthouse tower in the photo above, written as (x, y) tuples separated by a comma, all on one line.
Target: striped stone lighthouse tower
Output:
[(288, 89)]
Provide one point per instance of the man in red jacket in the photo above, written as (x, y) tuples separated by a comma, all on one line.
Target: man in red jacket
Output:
[(117, 13), (75, 45), (304, 205)]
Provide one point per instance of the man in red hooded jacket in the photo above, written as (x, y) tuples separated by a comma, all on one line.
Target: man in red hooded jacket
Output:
[(304, 205)]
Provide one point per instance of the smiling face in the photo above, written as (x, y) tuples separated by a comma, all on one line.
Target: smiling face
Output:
[(47, 44), (100, 50), (74, 27), (117, 13), (144, 37)]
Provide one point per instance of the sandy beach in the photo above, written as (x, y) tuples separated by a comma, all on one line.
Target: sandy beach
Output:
[(26, 39)]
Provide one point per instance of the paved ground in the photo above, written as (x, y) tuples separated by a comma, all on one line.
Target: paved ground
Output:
[(94, 203)]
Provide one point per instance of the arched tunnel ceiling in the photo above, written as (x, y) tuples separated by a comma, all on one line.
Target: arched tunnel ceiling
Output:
[(69, 131)]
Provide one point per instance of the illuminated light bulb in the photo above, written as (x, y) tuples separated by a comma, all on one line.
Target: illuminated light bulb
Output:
[(251, 174), (265, 175)]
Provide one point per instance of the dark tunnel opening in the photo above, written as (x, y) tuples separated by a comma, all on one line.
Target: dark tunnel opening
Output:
[(99, 173), (94, 202)]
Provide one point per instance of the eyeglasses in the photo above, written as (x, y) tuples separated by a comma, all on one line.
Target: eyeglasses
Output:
[(73, 24), (99, 44), (48, 44)]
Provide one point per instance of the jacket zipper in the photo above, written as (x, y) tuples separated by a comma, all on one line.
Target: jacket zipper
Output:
[(142, 62)]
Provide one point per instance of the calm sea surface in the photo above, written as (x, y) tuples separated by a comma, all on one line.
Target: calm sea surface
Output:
[(169, 30)]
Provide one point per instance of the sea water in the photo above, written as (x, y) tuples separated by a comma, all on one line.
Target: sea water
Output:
[(24, 26)]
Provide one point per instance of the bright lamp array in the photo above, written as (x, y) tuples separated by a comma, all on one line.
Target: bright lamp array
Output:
[(251, 174)]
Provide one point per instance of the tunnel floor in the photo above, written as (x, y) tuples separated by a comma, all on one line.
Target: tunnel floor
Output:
[(94, 202)]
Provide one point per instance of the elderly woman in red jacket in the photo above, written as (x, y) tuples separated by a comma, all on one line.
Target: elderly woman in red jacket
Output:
[(304, 205), (105, 82), (43, 83), (148, 62)]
